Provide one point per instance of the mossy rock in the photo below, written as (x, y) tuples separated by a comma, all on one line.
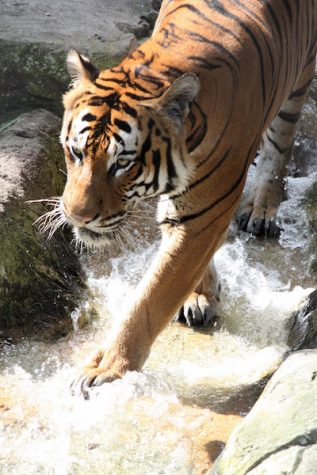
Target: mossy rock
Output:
[(41, 281)]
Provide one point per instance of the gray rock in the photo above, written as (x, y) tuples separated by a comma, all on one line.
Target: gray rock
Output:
[(311, 208), (40, 280), (302, 324), (279, 435), (156, 4), (305, 146), (35, 36)]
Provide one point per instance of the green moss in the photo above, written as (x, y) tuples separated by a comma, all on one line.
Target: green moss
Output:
[(33, 76), (39, 279)]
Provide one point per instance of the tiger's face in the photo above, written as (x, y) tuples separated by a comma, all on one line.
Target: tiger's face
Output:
[(120, 148)]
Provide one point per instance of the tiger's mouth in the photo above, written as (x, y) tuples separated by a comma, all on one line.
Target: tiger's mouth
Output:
[(94, 238)]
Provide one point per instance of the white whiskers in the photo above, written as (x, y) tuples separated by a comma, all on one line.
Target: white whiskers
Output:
[(53, 219), (127, 236)]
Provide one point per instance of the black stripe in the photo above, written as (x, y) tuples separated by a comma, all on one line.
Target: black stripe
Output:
[(145, 148), (69, 126), (301, 91), (101, 86), (90, 67), (138, 86), (172, 71), (117, 215), (112, 170), (278, 148), (136, 97), (203, 63), (220, 9), (288, 117), (288, 9), (118, 139), (138, 173), (129, 110), (157, 164), (276, 22), (123, 125), (220, 215), (199, 133), (191, 118), (220, 26), (89, 117), (82, 131), (183, 219), (128, 152), (216, 44), (203, 178), (110, 100), (187, 6), (171, 171), (252, 13), (153, 80), (96, 101)]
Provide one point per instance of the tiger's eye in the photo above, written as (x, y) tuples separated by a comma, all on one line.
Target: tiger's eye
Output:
[(123, 162)]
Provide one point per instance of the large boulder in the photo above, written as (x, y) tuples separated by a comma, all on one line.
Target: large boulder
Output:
[(35, 36), (39, 279), (279, 435)]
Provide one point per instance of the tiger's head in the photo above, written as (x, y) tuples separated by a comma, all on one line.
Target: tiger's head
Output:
[(123, 139)]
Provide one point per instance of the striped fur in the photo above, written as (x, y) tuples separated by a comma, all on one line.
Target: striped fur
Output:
[(183, 116)]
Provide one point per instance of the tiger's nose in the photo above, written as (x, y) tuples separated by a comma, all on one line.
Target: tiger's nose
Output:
[(82, 218)]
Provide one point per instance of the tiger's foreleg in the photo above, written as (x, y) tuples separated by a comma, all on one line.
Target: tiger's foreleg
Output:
[(258, 211), (176, 271)]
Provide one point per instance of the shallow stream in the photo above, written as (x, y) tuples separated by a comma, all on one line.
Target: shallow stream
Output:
[(175, 416)]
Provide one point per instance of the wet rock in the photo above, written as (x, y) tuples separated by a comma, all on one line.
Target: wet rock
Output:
[(302, 324), (156, 4), (279, 435), (35, 36), (40, 280), (311, 209)]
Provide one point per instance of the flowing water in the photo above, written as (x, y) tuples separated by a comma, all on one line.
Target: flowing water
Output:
[(169, 418)]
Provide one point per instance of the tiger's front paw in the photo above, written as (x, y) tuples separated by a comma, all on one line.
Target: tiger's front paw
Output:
[(198, 309), (104, 367)]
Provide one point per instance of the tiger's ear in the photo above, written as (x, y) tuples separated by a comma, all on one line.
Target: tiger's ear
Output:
[(80, 68), (175, 103)]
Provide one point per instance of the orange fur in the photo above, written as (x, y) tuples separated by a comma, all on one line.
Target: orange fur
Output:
[(250, 58)]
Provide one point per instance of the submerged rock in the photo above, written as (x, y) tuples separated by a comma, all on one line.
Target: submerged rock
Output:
[(279, 435), (35, 36), (40, 280)]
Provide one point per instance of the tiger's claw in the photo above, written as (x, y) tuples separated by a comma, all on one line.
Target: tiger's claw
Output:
[(103, 369), (197, 310), (259, 224)]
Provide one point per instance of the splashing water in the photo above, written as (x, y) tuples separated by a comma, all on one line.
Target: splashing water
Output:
[(140, 425)]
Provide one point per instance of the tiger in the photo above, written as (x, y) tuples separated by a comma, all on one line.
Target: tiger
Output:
[(182, 118)]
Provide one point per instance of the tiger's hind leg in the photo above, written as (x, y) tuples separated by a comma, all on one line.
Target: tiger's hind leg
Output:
[(201, 306), (257, 214)]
